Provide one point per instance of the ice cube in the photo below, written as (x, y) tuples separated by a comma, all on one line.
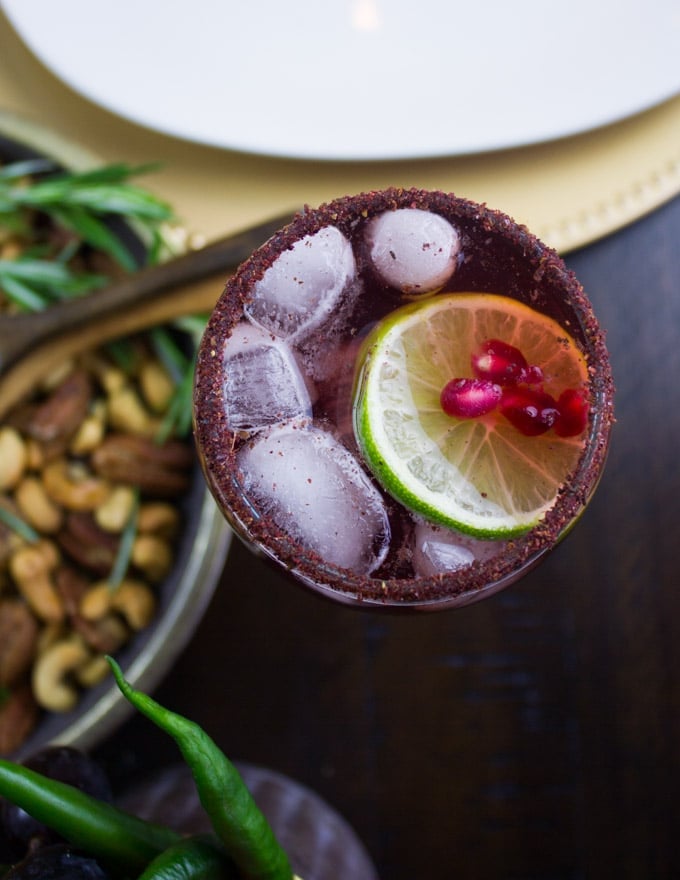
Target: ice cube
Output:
[(316, 491), (304, 285), (263, 384), (437, 550), (413, 250)]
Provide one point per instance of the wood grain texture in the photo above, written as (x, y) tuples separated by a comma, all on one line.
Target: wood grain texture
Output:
[(534, 736)]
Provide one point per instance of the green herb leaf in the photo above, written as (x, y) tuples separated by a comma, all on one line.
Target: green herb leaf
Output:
[(104, 191), (33, 283), (169, 353), (81, 202), (16, 524), (177, 419), (127, 540), (96, 233)]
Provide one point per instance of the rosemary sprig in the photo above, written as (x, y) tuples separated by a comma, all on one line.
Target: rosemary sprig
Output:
[(18, 525), (180, 366), (124, 554), (101, 191), (82, 204), (32, 283)]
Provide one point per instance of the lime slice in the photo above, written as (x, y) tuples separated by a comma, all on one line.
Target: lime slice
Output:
[(479, 475)]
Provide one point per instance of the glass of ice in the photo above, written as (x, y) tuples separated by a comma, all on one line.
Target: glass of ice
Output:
[(275, 403)]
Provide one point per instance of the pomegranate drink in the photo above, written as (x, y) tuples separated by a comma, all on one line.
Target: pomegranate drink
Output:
[(404, 399)]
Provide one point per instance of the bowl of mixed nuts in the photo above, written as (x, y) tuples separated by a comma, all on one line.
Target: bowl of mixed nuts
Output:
[(110, 543)]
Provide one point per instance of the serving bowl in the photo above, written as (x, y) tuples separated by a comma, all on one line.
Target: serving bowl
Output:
[(199, 551)]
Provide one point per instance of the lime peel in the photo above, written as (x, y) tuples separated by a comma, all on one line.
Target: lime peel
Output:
[(480, 476)]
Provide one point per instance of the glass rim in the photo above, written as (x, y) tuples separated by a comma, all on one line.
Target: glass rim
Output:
[(481, 578)]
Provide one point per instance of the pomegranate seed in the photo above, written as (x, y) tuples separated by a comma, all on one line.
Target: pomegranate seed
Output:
[(572, 405), (469, 398), (533, 375), (531, 411), (499, 362)]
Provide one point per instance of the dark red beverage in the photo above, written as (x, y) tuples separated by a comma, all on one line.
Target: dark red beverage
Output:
[(276, 386)]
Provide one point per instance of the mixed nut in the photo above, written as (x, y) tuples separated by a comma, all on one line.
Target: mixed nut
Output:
[(89, 513), (92, 469)]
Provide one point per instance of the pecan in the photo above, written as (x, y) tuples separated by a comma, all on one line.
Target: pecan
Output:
[(60, 415), (85, 543), (18, 716), (160, 469), (105, 635), (18, 640), (71, 586)]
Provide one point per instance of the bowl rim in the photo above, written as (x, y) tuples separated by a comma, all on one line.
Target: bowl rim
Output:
[(204, 561)]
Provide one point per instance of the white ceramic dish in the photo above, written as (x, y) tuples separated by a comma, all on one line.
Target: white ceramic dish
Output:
[(362, 79)]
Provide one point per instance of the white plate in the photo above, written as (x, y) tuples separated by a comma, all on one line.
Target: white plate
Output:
[(361, 79)]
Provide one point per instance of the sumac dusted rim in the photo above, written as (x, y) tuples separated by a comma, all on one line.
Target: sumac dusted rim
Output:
[(554, 290)]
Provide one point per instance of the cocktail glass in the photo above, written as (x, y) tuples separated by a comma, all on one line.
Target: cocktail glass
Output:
[(276, 361)]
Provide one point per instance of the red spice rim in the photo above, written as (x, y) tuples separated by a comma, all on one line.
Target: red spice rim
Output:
[(539, 265)]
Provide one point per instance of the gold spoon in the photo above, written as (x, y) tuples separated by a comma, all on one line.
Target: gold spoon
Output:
[(31, 345)]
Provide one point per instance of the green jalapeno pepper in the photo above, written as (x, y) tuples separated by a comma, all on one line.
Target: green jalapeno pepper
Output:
[(235, 817), (99, 828), (192, 858)]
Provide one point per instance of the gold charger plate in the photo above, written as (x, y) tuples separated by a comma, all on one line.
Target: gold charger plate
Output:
[(569, 192)]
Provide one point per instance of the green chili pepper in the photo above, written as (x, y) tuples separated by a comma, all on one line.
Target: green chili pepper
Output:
[(99, 828), (193, 858), (236, 818)]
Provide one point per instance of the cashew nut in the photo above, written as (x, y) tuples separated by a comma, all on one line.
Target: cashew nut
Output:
[(31, 567), (52, 674), (158, 518), (35, 455), (152, 555), (114, 513), (12, 457), (156, 385), (136, 602), (96, 601), (132, 599), (73, 486), (127, 413), (37, 507), (91, 431), (94, 671), (56, 376)]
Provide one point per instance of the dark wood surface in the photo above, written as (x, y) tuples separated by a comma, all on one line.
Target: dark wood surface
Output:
[(533, 735)]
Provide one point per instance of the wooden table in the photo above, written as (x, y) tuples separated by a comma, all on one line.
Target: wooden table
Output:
[(533, 735)]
